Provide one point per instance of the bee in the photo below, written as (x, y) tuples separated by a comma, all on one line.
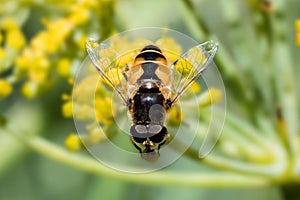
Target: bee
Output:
[(150, 86)]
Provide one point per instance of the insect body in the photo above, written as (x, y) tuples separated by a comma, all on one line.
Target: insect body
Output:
[(150, 86)]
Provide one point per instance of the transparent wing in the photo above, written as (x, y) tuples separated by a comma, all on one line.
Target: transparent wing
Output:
[(190, 66), (109, 63)]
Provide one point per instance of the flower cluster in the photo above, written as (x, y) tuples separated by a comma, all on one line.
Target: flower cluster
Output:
[(12, 40), (39, 61), (36, 61)]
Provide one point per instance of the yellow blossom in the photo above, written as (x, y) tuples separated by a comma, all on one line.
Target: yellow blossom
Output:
[(41, 61), (183, 67), (194, 89), (298, 39), (104, 110), (9, 24), (42, 42), (81, 41), (298, 32), (82, 111), (38, 75), (3, 53), (67, 109), (65, 97), (125, 59), (24, 61), (167, 44), (298, 26), (175, 116), (79, 15), (71, 81), (15, 39), (210, 97), (95, 135), (5, 88), (63, 67), (85, 90), (30, 89), (73, 142)]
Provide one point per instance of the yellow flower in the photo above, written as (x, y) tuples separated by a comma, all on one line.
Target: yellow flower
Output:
[(38, 75), (298, 26), (175, 116), (42, 42), (104, 110), (79, 15), (73, 142), (298, 32), (298, 39), (83, 111), (95, 135), (210, 97), (125, 59), (5, 88), (1, 38), (81, 41), (85, 90), (67, 109), (15, 39), (194, 89), (9, 24), (3, 53), (39, 70), (63, 67), (30, 89), (65, 97), (24, 61), (170, 48), (183, 67)]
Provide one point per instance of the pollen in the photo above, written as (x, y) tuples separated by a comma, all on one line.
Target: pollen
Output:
[(6, 88)]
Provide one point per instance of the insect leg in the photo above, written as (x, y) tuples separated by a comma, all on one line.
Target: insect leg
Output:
[(124, 72)]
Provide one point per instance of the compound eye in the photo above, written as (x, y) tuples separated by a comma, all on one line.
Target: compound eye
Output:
[(159, 137), (138, 133), (155, 129), (140, 129)]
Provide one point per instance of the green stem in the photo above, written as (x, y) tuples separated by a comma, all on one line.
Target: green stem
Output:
[(10, 151), (285, 84), (192, 179)]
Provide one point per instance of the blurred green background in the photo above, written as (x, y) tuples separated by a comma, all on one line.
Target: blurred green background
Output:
[(42, 42)]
